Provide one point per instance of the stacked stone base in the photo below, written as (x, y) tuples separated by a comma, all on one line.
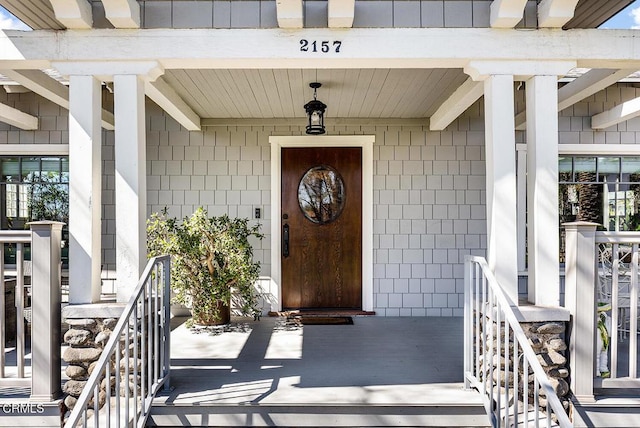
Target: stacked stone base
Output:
[(90, 327), (548, 342)]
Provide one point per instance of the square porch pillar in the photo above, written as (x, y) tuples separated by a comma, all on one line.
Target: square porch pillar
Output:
[(85, 188), (542, 191), (501, 182), (131, 186)]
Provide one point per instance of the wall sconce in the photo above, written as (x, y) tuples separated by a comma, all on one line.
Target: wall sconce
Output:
[(315, 112)]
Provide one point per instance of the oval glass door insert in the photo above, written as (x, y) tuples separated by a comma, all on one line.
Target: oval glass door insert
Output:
[(321, 194)]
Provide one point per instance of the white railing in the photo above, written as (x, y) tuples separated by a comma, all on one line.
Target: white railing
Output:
[(618, 274), (12, 323), (134, 364), (42, 377), (498, 359)]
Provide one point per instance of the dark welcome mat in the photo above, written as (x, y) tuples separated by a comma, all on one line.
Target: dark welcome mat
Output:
[(320, 320)]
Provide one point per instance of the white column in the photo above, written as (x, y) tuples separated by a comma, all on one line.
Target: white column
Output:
[(131, 186), (501, 182), (85, 189), (542, 190)]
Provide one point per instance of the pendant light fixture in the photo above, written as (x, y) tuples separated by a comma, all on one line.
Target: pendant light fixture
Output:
[(315, 112)]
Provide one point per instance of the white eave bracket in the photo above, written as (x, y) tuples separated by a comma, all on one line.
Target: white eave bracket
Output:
[(555, 13), (51, 89), (290, 13), (341, 13), (15, 117), (620, 113), (506, 13), (584, 86), (463, 97), (73, 14), (166, 97), (122, 13)]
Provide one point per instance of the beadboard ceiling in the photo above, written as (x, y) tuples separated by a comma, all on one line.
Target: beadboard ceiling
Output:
[(375, 93)]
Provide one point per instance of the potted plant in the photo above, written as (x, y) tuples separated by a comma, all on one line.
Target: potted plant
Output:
[(212, 259)]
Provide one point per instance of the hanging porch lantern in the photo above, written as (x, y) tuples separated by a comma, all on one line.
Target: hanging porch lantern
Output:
[(315, 112)]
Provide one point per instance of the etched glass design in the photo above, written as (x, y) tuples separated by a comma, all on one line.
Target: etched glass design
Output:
[(321, 194)]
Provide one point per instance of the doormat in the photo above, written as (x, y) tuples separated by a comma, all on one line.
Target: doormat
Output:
[(316, 320)]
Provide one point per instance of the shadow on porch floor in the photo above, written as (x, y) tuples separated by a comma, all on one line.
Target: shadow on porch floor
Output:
[(374, 362)]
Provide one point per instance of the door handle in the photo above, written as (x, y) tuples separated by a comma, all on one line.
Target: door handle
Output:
[(285, 240)]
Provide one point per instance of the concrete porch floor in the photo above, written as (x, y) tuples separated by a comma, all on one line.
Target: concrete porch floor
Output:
[(372, 366)]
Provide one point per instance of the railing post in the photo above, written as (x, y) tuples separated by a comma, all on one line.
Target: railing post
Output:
[(580, 289), (166, 279), (45, 292), (468, 324)]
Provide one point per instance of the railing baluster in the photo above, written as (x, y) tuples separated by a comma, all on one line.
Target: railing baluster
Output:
[(135, 359), (516, 383), (536, 403), (633, 313), (506, 372), (615, 309), (118, 387), (107, 378), (3, 318), (127, 371), (19, 293), (478, 325)]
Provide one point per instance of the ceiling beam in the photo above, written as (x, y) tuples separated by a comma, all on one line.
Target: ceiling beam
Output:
[(15, 117), (371, 47), (584, 86), (122, 13), (506, 13), (51, 89), (620, 113), (74, 14), (468, 93), (166, 97), (290, 13), (555, 13), (341, 13)]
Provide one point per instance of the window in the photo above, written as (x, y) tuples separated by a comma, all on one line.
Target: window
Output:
[(604, 190), (599, 189), (33, 188)]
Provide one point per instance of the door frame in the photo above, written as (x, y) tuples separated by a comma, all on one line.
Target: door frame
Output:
[(366, 143)]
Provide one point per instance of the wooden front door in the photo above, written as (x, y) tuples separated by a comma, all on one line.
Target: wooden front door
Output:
[(322, 228)]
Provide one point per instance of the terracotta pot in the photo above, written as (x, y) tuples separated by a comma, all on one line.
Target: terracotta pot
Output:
[(224, 316)]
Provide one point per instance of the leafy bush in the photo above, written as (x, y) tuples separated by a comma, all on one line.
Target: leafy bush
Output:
[(211, 259)]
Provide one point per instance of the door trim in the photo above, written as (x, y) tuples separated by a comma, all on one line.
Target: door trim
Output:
[(366, 143)]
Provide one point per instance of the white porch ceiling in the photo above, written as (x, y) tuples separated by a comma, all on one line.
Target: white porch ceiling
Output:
[(282, 93)]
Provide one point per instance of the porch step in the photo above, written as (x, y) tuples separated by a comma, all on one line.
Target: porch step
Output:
[(282, 415), (24, 413), (619, 412)]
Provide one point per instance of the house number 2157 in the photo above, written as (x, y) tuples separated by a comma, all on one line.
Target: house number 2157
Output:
[(324, 46)]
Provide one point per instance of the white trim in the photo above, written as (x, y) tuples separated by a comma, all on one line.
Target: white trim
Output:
[(17, 118), (620, 113), (555, 13), (122, 13), (335, 121), (34, 149), (360, 48), (593, 149), (599, 149), (74, 14), (463, 97), (290, 13), (341, 13), (506, 13), (167, 98), (364, 141)]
